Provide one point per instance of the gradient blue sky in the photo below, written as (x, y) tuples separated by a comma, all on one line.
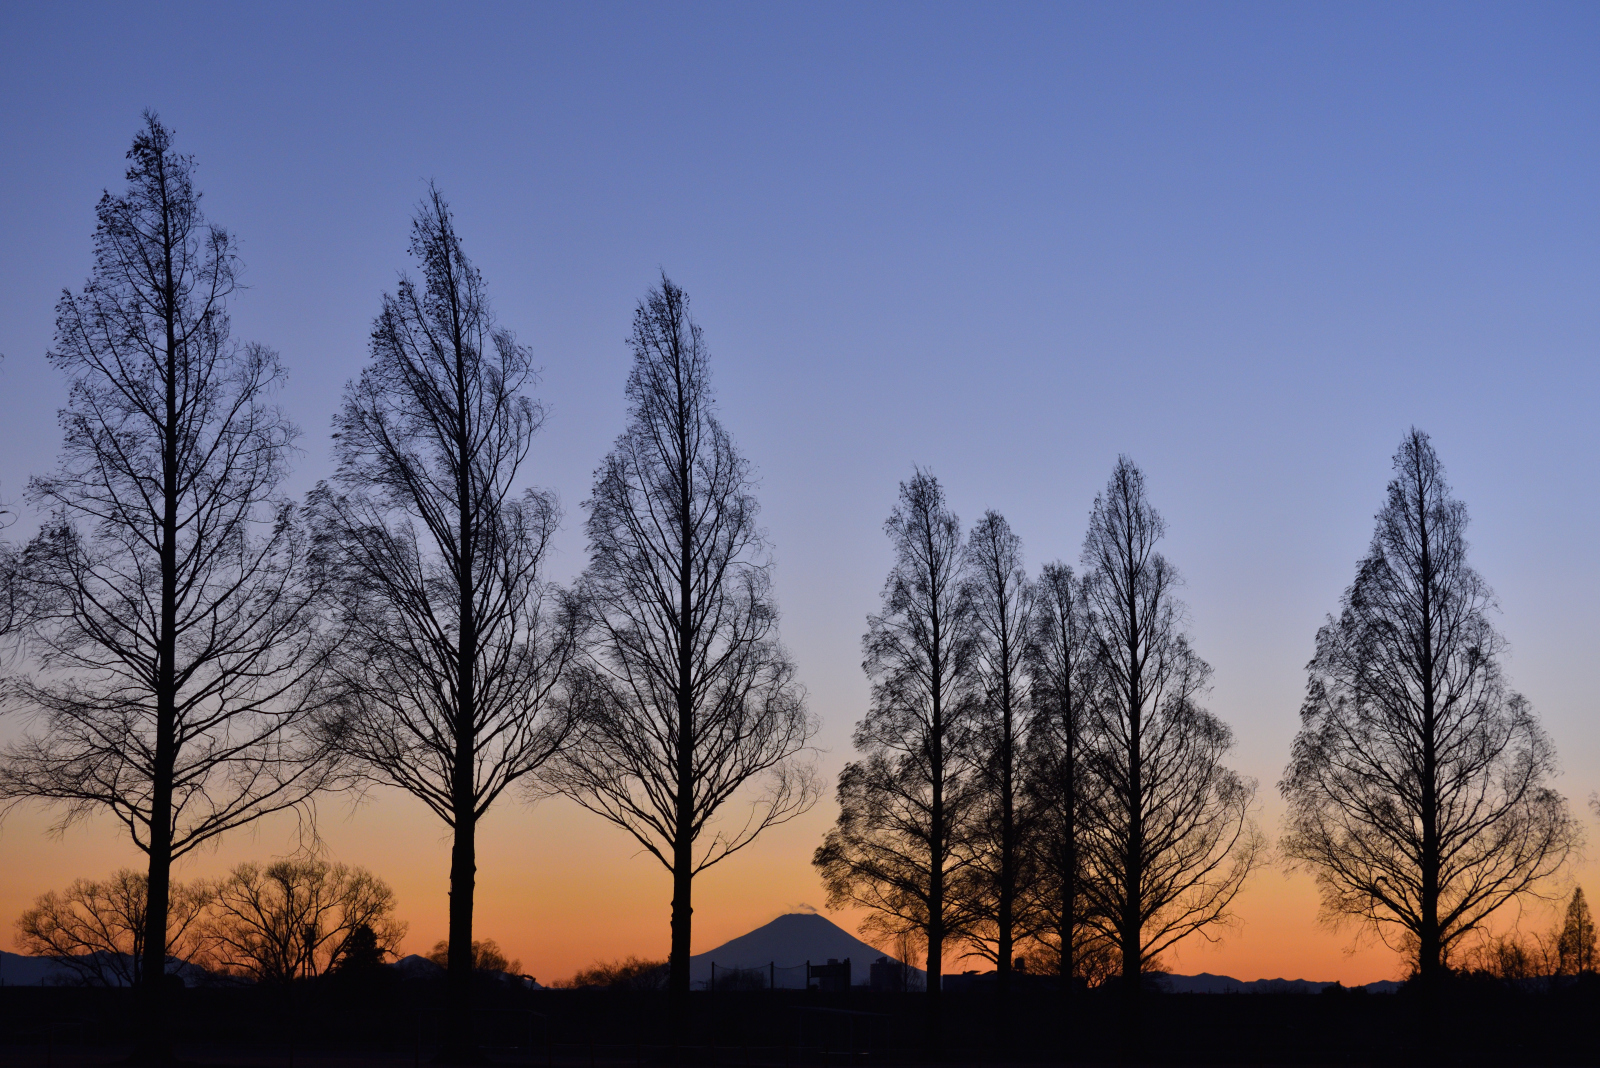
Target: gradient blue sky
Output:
[(1247, 245)]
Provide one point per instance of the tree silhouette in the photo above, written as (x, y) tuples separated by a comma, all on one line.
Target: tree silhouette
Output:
[(170, 616), (361, 955), (1002, 603), (905, 806), (449, 653), (685, 696), (486, 957), (96, 928), (296, 919), (1575, 945), (1418, 783), (1166, 830), (630, 973), (1064, 675)]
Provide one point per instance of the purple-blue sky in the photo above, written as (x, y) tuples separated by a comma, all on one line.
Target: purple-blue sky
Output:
[(1247, 245)]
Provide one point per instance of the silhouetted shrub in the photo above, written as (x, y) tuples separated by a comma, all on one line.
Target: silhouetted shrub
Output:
[(630, 973), (486, 957)]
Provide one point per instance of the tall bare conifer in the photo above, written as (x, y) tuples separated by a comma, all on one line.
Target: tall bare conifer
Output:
[(451, 645), (685, 696), (1064, 681), (170, 617), (905, 807), (1002, 600), (1419, 783), (1167, 832)]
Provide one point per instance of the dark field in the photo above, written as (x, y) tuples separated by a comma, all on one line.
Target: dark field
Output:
[(398, 1024)]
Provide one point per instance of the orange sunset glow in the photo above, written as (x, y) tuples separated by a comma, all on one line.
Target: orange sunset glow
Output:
[(622, 533), (559, 890)]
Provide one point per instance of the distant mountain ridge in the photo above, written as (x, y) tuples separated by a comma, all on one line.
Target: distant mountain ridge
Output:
[(17, 969), (1206, 983)]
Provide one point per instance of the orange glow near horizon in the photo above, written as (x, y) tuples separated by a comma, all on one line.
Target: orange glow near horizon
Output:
[(559, 889)]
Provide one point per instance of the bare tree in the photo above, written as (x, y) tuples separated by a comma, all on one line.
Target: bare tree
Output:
[(293, 919), (96, 928), (170, 615), (686, 695), (1167, 833), (630, 973), (1064, 678), (451, 645), (1418, 785), (905, 806), (1512, 955), (1002, 602)]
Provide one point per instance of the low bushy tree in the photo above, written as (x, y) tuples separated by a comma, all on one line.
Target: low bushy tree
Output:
[(294, 919), (487, 958), (95, 928), (629, 973)]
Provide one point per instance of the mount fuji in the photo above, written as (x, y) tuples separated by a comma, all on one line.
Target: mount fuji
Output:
[(781, 949)]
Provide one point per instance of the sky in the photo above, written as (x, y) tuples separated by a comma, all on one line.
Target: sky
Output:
[(1246, 245)]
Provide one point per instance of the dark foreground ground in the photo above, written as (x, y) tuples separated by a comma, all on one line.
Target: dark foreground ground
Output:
[(390, 1024)]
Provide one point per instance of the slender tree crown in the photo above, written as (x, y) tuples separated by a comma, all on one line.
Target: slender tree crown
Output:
[(1167, 834), (1576, 951), (437, 556), (1418, 783), (905, 806), (451, 647), (685, 694), (1002, 599), (170, 619), (1064, 681)]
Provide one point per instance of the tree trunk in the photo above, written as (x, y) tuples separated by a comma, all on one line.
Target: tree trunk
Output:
[(156, 1046), (1069, 894), (935, 969), (683, 838), (1430, 963), (1069, 863), (936, 931), (1006, 946), (1133, 887), (682, 911), (460, 1045), (1008, 845), (937, 845), (153, 969), (1068, 968)]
